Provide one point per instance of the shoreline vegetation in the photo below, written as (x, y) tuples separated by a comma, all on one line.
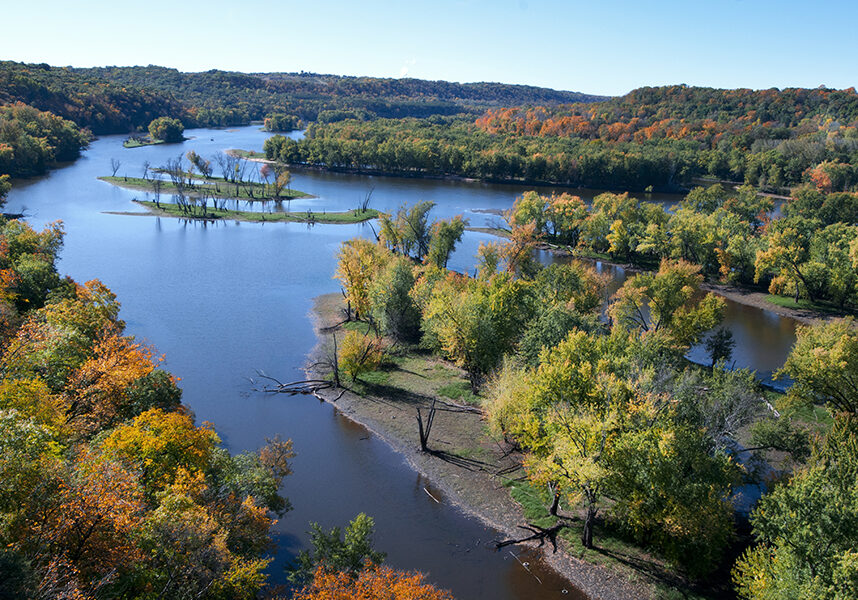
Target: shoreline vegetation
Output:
[(165, 209), (255, 156), (473, 472), (784, 306), (519, 419)]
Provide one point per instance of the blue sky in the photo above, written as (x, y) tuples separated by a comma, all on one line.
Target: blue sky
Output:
[(600, 47)]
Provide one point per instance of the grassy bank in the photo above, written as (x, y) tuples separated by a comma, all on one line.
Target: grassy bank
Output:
[(804, 304), (248, 154), (166, 209), (140, 142), (215, 187)]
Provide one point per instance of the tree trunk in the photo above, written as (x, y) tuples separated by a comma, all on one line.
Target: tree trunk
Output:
[(555, 503), (336, 364), (424, 430), (589, 520)]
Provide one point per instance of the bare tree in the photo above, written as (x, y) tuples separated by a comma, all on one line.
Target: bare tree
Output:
[(174, 170), (156, 189), (114, 165), (227, 164), (146, 165), (424, 429)]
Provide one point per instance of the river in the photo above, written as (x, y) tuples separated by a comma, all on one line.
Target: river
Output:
[(224, 300)]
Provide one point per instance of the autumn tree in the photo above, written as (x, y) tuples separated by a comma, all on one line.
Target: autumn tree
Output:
[(87, 511), (162, 446), (823, 364), (57, 339), (102, 391), (358, 262), (166, 129), (373, 583), (202, 165), (282, 178), (665, 304), (360, 353)]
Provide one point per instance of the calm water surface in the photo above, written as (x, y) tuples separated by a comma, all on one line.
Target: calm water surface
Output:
[(225, 300)]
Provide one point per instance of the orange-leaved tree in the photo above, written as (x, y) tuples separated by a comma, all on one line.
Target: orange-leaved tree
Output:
[(372, 583)]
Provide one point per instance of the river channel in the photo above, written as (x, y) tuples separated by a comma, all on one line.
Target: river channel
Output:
[(224, 300)]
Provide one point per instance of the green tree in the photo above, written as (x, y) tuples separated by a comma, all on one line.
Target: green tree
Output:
[(166, 129), (476, 322), (673, 488), (281, 122), (566, 414), (807, 529), (393, 308), (337, 551), (786, 257), (823, 363), (409, 232), (5, 187), (445, 235)]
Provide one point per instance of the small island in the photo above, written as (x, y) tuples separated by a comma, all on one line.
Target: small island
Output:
[(204, 198), (163, 130), (249, 155), (194, 186), (204, 213), (139, 141)]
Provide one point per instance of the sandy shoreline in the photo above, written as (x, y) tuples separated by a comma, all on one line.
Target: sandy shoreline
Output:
[(476, 491)]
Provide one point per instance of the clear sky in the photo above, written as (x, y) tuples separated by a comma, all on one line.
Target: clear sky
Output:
[(599, 46)]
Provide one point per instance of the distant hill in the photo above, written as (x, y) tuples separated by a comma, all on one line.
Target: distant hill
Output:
[(116, 99)]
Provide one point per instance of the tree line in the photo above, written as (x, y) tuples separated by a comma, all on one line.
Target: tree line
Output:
[(653, 137), (32, 140), (123, 99), (810, 251)]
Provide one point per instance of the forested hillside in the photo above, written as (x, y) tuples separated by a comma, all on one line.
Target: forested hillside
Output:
[(659, 137), (121, 99), (90, 102), (252, 96)]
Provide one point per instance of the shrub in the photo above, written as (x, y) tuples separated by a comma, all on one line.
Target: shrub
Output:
[(360, 353)]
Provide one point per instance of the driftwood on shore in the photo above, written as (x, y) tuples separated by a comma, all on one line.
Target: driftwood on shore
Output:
[(292, 388)]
